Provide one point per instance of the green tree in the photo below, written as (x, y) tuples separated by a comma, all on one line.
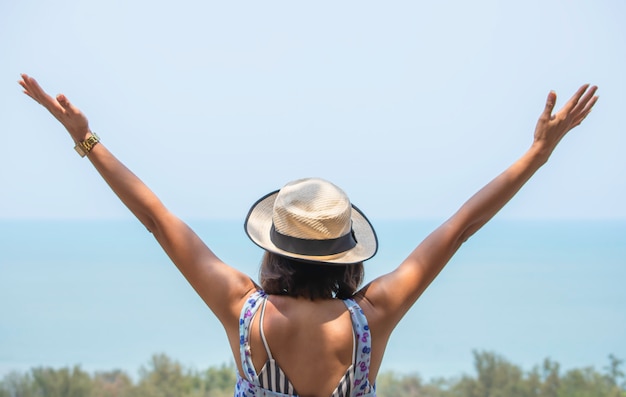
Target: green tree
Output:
[(214, 382), (50, 382), (220, 381), (496, 377), (15, 384), (114, 383), (586, 382), (615, 375), (163, 377), (390, 384), (550, 379)]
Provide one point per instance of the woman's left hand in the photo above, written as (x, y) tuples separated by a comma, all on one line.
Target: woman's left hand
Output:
[(551, 128), (60, 107)]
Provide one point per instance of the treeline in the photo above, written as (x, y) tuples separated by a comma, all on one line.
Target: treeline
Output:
[(163, 377), (496, 377)]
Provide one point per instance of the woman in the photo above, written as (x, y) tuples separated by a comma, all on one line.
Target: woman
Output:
[(308, 330)]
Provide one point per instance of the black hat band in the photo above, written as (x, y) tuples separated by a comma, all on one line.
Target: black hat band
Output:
[(303, 246)]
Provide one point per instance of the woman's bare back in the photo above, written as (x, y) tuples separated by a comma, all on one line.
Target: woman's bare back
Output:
[(311, 341)]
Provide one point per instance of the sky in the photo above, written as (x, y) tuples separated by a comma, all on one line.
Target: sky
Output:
[(409, 106)]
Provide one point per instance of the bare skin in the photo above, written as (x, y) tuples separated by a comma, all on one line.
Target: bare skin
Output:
[(312, 340)]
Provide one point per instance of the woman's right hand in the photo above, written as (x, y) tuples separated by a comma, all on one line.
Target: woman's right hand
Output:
[(60, 107)]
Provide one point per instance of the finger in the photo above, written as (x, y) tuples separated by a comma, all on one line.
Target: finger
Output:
[(67, 105), (34, 89), (30, 83), (575, 98), (585, 112), (25, 90), (591, 103), (584, 101), (24, 77), (62, 99), (34, 99), (550, 102), (25, 86)]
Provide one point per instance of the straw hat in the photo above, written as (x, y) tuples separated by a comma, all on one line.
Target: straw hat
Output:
[(311, 219)]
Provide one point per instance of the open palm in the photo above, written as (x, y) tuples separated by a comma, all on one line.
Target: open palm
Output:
[(60, 107)]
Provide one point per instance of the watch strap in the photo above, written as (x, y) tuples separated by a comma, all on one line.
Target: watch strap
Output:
[(84, 147)]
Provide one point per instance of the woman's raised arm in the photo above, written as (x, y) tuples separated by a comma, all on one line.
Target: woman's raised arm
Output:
[(393, 294), (220, 286)]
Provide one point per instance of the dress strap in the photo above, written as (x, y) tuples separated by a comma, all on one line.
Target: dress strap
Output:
[(362, 386), (267, 348), (248, 311), (353, 347)]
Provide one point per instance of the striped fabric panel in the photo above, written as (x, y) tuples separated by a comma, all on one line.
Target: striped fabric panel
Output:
[(273, 378), (345, 385)]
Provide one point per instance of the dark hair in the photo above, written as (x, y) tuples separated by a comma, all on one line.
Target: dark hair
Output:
[(280, 275)]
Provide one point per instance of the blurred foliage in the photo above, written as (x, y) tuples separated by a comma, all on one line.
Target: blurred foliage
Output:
[(163, 377)]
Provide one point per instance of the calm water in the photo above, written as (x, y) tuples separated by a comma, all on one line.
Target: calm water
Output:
[(102, 294)]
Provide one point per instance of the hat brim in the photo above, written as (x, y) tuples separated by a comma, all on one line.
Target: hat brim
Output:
[(259, 222)]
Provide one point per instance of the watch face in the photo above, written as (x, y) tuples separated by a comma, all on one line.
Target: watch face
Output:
[(79, 150)]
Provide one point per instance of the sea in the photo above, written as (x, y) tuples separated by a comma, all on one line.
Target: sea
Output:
[(100, 294)]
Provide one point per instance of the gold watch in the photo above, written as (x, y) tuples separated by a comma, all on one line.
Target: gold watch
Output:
[(84, 147)]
